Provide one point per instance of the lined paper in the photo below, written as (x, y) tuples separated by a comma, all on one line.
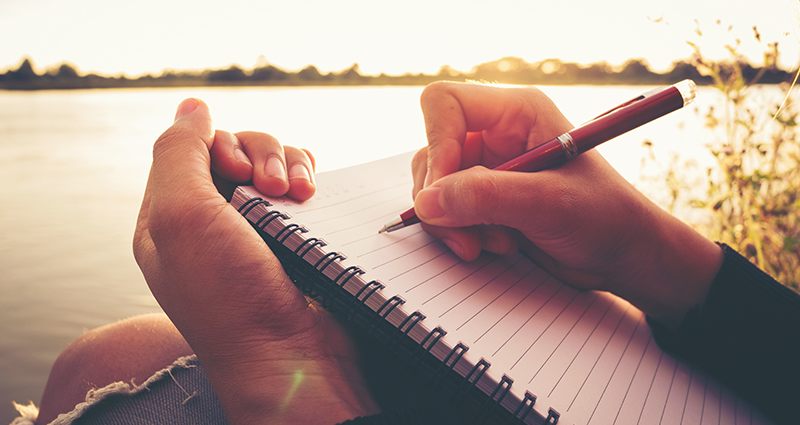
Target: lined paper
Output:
[(589, 355)]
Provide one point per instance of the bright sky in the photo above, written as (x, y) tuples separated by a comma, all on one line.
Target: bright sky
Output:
[(147, 36)]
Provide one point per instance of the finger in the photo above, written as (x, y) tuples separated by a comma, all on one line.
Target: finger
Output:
[(269, 162), (468, 242), (509, 121), (465, 242), (228, 158), (481, 196), (301, 173), (311, 157), (498, 239), (419, 169)]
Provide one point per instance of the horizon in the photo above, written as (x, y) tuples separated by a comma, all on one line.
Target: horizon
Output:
[(54, 67), (154, 36)]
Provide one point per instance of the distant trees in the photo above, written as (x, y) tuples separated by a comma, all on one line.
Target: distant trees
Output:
[(232, 74), (25, 72), (66, 71), (269, 73), (509, 70)]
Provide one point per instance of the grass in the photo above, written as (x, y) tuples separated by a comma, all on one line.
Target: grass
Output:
[(750, 197)]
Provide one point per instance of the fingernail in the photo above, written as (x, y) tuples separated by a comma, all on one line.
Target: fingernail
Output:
[(274, 168), (185, 108), (240, 156), (427, 203), (299, 171)]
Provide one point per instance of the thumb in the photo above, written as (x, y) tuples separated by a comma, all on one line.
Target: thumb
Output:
[(181, 153), (179, 172), (478, 196)]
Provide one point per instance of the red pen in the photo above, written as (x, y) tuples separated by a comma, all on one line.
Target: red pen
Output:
[(606, 126)]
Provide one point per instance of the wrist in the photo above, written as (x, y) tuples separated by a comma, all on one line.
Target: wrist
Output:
[(263, 377), (672, 270), (291, 392)]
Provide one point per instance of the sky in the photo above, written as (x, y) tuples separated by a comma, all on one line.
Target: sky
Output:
[(394, 37)]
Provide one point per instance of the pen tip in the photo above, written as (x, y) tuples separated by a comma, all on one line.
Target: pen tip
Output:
[(391, 227)]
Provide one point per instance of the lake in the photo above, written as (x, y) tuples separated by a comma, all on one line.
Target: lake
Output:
[(74, 166)]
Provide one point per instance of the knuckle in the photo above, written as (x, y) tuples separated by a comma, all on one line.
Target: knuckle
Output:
[(435, 89), (420, 159)]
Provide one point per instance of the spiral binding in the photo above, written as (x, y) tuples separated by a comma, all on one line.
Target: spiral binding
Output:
[(529, 398), (441, 373), (398, 334), (250, 204), (466, 385), (552, 417), (264, 221), (380, 313), (419, 353), (281, 236), (333, 294), (370, 288), (326, 261), (500, 392), (291, 264)]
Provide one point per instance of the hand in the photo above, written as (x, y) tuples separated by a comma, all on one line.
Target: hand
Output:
[(583, 222), (268, 352)]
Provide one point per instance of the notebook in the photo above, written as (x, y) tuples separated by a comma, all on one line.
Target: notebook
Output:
[(499, 332)]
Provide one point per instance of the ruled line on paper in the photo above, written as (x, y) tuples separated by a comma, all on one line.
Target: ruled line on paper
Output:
[(635, 373), (511, 310), (686, 399), (705, 394), (337, 217), (545, 329), (526, 321), (599, 356), (404, 255), (652, 382), (480, 288), (362, 224), (599, 400), (458, 281), (419, 265), (594, 298), (671, 382), (430, 278), (494, 300), (385, 246), (358, 197), (596, 325)]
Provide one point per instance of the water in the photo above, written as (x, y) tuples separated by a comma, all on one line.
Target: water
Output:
[(73, 165)]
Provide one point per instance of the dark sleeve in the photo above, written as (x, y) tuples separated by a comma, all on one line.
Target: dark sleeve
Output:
[(746, 334), (400, 416)]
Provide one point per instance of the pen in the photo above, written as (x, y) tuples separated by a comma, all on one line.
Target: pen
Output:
[(606, 126)]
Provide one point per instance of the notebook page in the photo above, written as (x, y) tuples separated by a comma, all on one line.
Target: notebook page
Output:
[(588, 355)]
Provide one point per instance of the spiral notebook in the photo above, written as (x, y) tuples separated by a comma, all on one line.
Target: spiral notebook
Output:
[(498, 332)]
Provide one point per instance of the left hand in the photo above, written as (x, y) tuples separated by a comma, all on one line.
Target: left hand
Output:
[(268, 352)]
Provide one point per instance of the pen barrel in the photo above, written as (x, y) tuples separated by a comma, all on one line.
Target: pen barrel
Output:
[(548, 155), (618, 122)]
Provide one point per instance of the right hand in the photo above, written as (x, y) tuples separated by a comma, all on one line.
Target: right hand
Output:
[(583, 222)]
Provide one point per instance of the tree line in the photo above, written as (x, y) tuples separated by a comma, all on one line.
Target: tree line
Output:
[(508, 70)]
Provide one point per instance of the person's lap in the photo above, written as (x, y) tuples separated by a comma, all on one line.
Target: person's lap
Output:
[(130, 351), (141, 371)]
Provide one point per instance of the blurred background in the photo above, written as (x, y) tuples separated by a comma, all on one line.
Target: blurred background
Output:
[(86, 86)]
